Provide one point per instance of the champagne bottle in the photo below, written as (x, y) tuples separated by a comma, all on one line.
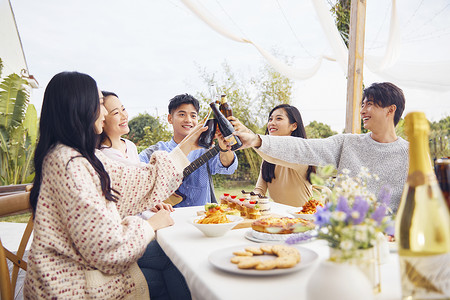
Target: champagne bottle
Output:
[(224, 107), (422, 222), (226, 128), (207, 137)]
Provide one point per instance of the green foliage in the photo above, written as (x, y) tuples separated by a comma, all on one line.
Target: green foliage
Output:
[(273, 89), (158, 132), (137, 125), (18, 131), (251, 101), (439, 138), (317, 130), (341, 13), (400, 129)]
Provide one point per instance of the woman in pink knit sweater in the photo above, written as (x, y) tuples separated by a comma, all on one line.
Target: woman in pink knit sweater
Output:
[(87, 238)]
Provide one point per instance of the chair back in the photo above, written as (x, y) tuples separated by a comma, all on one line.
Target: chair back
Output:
[(10, 205)]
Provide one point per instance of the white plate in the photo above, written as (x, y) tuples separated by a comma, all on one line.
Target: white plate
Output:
[(249, 236), (221, 260), (294, 213)]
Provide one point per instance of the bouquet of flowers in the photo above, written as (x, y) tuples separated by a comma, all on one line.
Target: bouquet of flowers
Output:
[(353, 216)]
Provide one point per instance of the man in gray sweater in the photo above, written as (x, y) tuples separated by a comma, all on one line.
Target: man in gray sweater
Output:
[(380, 150)]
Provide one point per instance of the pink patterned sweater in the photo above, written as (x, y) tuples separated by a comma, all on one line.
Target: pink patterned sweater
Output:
[(76, 230)]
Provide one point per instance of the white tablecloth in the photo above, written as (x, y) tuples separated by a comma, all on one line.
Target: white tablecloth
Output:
[(189, 249)]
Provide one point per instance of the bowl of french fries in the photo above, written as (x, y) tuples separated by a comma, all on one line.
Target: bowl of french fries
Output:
[(215, 222)]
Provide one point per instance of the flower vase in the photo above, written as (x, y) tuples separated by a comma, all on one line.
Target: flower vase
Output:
[(366, 260), (332, 280)]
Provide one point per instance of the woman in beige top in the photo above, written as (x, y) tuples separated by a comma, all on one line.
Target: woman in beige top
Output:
[(287, 183)]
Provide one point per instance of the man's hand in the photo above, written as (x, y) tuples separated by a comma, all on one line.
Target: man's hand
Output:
[(223, 144), (190, 142), (238, 126), (248, 138)]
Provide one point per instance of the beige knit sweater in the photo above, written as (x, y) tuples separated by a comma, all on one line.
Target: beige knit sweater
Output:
[(77, 231), (290, 185)]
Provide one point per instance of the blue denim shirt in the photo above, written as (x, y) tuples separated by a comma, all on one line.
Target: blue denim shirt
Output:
[(195, 186)]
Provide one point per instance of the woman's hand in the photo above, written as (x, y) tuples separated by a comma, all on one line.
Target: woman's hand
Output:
[(190, 142), (161, 206), (161, 219)]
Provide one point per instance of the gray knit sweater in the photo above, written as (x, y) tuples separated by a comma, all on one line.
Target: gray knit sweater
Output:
[(347, 151)]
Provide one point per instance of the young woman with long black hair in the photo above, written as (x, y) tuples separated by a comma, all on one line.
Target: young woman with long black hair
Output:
[(287, 183), (86, 238)]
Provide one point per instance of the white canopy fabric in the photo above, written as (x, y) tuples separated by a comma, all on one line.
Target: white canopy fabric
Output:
[(432, 76)]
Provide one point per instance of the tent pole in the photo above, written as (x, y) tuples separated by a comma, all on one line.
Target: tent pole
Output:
[(355, 66)]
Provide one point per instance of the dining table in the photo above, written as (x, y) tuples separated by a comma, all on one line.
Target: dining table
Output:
[(190, 251)]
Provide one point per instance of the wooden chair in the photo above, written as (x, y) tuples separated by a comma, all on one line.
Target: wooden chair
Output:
[(10, 205)]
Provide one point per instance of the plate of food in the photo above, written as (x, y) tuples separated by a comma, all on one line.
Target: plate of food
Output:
[(298, 214), (307, 211), (276, 229), (262, 260), (302, 237), (215, 222)]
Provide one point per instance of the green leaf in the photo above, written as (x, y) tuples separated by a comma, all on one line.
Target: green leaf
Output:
[(8, 93), (20, 105), (30, 123)]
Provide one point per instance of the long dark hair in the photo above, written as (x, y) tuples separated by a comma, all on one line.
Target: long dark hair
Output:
[(268, 169), (69, 111)]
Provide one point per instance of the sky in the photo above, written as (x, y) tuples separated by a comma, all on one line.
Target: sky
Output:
[(148, 51)]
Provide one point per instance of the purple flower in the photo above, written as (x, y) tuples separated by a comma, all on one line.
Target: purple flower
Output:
[(360, 206), (384, 196), (322, 216), (295, 239), (379, 214), (390, 229), (343, 205)]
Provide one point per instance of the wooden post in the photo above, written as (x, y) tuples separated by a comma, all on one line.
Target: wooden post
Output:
[(355, 66)]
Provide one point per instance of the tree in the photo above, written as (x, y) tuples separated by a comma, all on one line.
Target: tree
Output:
[(137, 125), (439, 138), (158, 132), (341, 13), (317, 130), (18, 131), (251, 100)]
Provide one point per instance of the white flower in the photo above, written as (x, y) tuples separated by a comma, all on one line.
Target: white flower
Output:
[(346, 245), (338, 216), (355, 214), (345, 171), (361, 236)]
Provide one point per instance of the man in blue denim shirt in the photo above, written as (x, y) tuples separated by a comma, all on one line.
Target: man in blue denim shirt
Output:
[(183, 115)]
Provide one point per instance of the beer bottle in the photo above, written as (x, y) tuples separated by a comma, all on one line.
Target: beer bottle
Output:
[(207, 137), (226, 128), (442, 170), (422, 228), (224, 107)]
